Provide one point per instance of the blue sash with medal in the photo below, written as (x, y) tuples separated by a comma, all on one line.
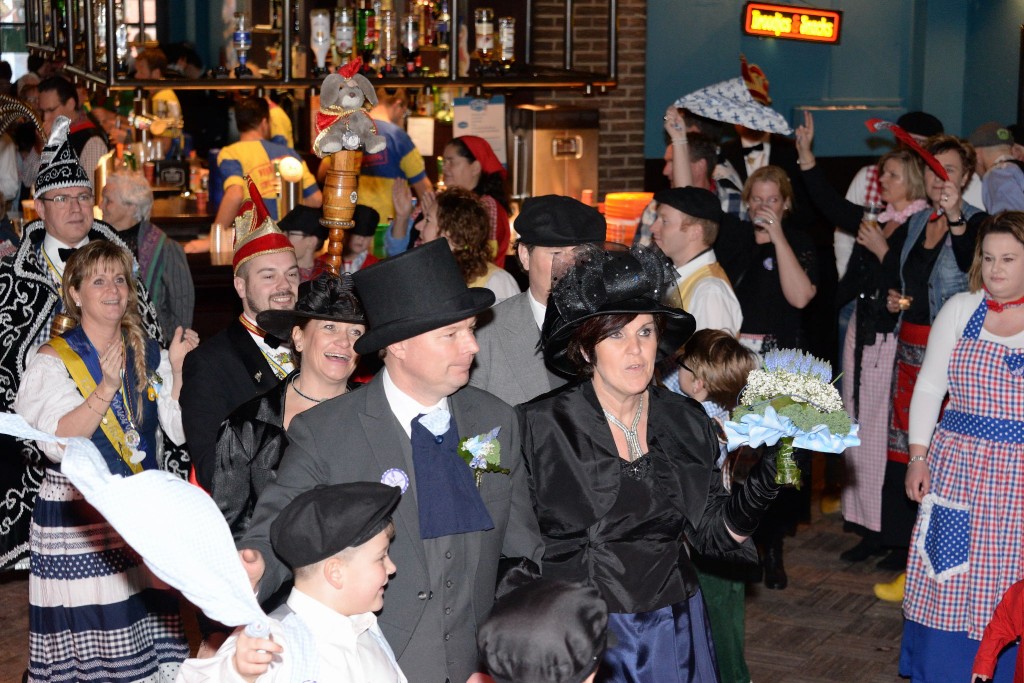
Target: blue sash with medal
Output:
[(116, 433)]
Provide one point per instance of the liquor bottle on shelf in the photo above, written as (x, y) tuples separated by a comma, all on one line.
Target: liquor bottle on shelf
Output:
[(388, 42), (506, 42), (241, 40), (320, 39), (483, 21), (367, 33), (411, 41), (344, 35), (300, 53)]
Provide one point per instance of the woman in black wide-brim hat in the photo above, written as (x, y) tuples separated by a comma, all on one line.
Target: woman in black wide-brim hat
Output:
[(323, 329), (623, 472)]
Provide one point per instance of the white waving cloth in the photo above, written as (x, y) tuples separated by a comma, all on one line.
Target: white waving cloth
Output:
[(730, 101), (203, 565)]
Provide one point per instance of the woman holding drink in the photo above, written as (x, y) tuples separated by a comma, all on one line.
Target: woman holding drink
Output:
[(931, 254), (776, 279), (869, 348)]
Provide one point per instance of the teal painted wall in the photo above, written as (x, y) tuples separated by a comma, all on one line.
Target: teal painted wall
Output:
[(954, 58)]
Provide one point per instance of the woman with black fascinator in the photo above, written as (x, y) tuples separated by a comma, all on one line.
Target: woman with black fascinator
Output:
[(323, 328), (623, 472)]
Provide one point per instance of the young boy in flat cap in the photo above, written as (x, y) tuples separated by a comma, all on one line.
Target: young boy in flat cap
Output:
[(336, 540), (544, 632)]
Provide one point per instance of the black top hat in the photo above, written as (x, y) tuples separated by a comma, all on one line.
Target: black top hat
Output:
[(304, 219), (415, 292), (366, 220), (557, 221), (545, 632), (608, 282), (327, 519), (327, 297)]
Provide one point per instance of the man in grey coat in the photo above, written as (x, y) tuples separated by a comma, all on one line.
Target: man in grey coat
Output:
[(453, 450), (510, 363)]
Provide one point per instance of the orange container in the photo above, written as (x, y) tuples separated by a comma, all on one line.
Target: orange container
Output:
[(622, 212)]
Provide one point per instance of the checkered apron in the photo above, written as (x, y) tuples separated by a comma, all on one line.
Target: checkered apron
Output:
[(976, 458)]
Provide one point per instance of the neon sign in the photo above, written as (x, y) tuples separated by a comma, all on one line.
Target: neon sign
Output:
[(792, 23)]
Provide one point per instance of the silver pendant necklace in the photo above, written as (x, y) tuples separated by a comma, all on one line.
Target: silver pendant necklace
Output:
[(632, 439)]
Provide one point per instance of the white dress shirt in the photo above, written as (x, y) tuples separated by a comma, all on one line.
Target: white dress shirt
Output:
[(404, 406), (51, 246), (538, 309), (713, 303), (349, 650)]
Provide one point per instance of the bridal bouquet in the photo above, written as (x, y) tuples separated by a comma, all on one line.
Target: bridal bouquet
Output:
[(791, 401)]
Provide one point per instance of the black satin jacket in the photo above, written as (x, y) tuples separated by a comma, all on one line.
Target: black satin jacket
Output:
[(249, 447), (575, 476)]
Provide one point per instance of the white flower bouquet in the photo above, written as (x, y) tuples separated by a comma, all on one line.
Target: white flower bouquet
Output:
[(791, 401)]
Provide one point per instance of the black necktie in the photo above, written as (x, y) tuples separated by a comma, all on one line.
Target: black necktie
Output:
[(759, 147), (65, 254)]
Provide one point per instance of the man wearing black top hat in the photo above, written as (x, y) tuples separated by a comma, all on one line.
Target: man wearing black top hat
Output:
[(453, 450), (510, 363)]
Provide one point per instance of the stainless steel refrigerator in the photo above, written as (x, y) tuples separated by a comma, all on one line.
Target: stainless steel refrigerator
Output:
[(554, 150)]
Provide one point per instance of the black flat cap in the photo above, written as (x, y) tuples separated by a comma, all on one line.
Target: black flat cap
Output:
[(366, 220), (545, 632), (556, 221), (304, 219), (693, 201), (920, 123), (327, 519)]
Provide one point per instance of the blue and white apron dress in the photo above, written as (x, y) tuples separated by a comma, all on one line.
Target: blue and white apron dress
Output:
[(968, 543)]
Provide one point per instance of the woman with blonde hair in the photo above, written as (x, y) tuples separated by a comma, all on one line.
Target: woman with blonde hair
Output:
[(776, 279), (869, 349), (95, 612)]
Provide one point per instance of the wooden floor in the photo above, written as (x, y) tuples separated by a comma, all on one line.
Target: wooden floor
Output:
[(826, 626)]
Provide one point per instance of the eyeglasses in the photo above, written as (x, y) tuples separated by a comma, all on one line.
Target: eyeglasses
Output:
[(66, 199), (684, 366)]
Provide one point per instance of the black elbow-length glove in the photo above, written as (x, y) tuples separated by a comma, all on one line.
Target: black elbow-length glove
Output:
[(748, 503)]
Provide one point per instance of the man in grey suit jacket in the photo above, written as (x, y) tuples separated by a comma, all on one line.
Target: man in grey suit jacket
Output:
[(455, 523), (510, 363)]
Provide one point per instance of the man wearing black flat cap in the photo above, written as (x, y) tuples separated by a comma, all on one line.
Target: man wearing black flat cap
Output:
[(417, 426), (357, 253), (685, 229), (302, 226), (510, 363)]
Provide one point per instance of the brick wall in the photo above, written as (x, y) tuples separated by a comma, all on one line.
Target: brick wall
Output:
[(622, 108)]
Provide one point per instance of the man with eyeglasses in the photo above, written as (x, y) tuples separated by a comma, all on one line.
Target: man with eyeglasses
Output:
[(59, 97), (30, 299)]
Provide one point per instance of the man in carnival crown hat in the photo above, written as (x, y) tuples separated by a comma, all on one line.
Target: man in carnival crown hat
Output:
[(30, 299), (240, 362), (416, 425)]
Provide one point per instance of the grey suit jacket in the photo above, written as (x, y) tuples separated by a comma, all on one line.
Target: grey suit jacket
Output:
[(510, 364), (356, 437)]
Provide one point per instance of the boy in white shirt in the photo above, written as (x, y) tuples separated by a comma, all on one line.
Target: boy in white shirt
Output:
[(336, 540)]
